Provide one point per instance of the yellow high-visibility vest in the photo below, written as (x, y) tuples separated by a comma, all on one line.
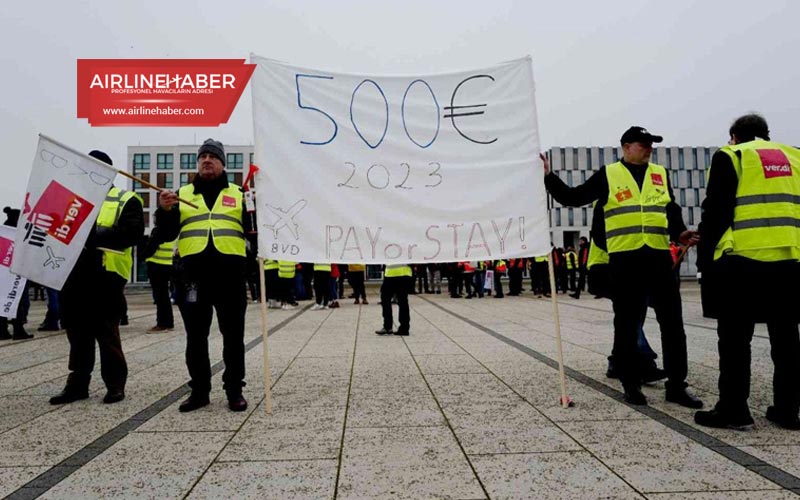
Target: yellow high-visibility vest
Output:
[(766, 220), (286, 269), (163, 255), (270, 265), (572, 263), (397, 270), (322, 267), (633, 218), (223, 222), (597, 255), (109, 214)]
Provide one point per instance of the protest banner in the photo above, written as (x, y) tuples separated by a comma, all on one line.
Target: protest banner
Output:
[(11, 285), (63, 198), (393, 169)]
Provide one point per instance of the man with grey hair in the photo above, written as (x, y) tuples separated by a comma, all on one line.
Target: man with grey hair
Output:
[(211, 243)]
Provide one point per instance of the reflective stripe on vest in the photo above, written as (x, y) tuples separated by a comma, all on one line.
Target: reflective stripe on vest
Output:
[(766, 219), (109, 214), (270, 265), (597, 255), (223, 222), (322, 267), (633, 218), (397, 270), (286, 269), (163, 255)]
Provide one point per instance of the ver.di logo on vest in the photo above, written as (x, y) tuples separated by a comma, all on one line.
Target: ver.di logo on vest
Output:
[(623, 194), (657, 179), (775, 163)]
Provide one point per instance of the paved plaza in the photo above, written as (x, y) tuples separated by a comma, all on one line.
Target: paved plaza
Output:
[(464, 408)]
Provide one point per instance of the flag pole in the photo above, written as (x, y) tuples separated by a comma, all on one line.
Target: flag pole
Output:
[(267, 390), (151, 186), (564, 399)]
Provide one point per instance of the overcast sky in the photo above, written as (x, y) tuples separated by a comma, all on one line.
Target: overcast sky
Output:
[(681, 68)]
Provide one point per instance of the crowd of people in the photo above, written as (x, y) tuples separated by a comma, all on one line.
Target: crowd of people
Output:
[(201, 256)]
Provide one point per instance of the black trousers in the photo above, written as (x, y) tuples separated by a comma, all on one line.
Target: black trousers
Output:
[(286, 286), (582, 271), (498, 285), (227, 295), (540, 278), (638, 276), (514, 281), (91, 310), (573, 275), (357, 282), (322, 287), (735, 336), (272, 284), (399, 287), (160, 276)]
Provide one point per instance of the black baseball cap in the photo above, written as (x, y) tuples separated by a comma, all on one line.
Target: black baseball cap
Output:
[(639, 134)]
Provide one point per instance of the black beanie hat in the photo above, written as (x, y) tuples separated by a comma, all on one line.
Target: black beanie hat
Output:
[(213, 147), (99, 155)]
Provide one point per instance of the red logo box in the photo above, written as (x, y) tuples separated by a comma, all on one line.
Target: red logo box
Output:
[(6, 252), (60, 212), (775, 163)]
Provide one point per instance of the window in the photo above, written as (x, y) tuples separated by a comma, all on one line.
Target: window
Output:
[(571, 216), (145, 199), (697, 197), (681, 161), (188, 161), (707, 156), (614, 155), (601, 153), (654, 156), (588, 160), (164, 161), (234, 161), (669, 158), (146, 218), (141, 161), (683, 197), (252, 155), (674, 178), (690, 219), (164, 180), (584, 217), (558, 216), (689, 176), (563, 152), (187, 178), (569, 179), (235, 178), (702, 177), (574, 158), (696, 163), (583, 176), (138, 185)]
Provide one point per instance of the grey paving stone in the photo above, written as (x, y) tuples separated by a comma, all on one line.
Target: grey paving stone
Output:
[(435, 364), (145, 465), (421, 462), (293, 480), (12, 478), (396, 405), (727, 495), (549, 475)]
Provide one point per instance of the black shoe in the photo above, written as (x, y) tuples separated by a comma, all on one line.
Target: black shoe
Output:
[(113, 396), (68, 395), (785, 420), (192, 403), (634, 396), (48, 328), (612, 372), (653, 374), (5, 335), (384, 331), (21, 334), (684, 398), (575, 296), (237, 403), (123, 321), (720, 420), (402, 333)]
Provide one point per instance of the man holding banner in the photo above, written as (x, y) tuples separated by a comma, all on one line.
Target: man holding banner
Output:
[(211, 243), (641, 217), (92, 296)]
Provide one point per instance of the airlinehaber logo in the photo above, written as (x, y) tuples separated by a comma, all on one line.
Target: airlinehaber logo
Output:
[(775, 163), (160, 92), (59, 212)]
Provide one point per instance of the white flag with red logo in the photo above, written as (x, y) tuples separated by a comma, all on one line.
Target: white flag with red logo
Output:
[(11, 285), (65, 191)]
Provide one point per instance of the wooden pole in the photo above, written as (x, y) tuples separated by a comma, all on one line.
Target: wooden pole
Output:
[(151, 186), (565, 401), (267, 389)]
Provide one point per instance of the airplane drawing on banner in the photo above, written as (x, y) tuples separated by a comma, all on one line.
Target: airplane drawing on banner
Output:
[(286, 219)]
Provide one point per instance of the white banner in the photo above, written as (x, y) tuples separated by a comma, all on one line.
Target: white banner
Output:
[(392, 169), (65, 191), (11, 285)]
